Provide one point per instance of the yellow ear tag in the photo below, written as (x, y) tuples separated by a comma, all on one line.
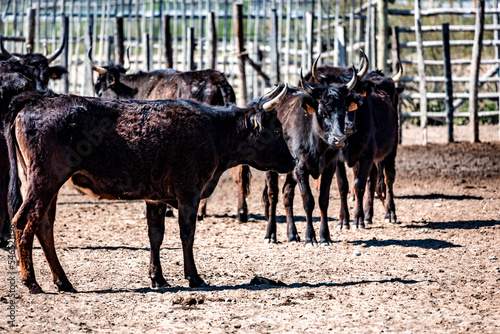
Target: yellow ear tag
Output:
[(363, 93), (399, 95), (53, 76), (310, 110), (255, 122), (353, 106)]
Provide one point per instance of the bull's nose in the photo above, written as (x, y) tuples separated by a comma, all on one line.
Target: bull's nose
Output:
[(337, 142), (349, 131)]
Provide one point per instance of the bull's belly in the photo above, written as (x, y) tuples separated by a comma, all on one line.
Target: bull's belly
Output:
[(115, 189)]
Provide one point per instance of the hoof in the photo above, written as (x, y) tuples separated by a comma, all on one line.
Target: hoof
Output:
[(4, 243), (158, 282), (326, 243), (33, 288), (343, 227), (200, 218), (294, 238), (169, 213), (270, 240), (368, 222), (311, 244), (65, 286), (242, 217), (197, 283)]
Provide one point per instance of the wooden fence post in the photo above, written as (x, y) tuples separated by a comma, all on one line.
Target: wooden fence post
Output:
[(191, 48), (119, 47), (421, 72), (448, 80), (275, 52), (65, 58), (88, 85), (147, 52), (240, 50), (336, 52), (395, 59), (474, 74), (310, 37), (496, 37), (30, 37), (168, 42), (351, 32), (382, 35), (212, 41)]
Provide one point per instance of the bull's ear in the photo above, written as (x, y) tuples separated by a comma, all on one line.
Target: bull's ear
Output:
[(353, 106), (56, 72), (310, 107), (400, 89)]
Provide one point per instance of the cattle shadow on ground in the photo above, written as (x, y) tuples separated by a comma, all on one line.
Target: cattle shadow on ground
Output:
[(420, 243), (114, 248), (457, 224), (435, 196), (279, 219), (253, 287)]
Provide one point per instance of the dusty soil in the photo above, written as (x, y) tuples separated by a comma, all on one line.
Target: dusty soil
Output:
[(437, 271)]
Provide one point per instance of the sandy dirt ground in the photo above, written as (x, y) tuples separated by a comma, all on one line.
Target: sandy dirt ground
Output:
[(438, 271)]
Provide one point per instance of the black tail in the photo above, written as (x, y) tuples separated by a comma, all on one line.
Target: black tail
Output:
[(14, 194), (380, 188)]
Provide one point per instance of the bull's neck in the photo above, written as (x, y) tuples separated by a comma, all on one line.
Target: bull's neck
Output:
[(234, 139), (124, 91)]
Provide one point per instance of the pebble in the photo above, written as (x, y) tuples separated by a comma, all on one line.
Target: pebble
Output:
[(494, 258), (356, 253), (423, 230), (438, 204)]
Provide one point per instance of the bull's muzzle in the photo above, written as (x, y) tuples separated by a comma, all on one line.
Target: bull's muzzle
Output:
[(337, 142)]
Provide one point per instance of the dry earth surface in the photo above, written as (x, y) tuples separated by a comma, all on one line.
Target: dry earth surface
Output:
[(438, 271)]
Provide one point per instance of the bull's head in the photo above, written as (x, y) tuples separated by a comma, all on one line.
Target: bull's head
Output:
[(109, 76), (330, 106), (16, 78), (40, 63), (268, 149)]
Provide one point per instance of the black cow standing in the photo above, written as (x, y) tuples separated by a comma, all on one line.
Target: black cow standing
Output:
[(205, 86), (40, 72), (314, 130), (164, 152), (373, 143)]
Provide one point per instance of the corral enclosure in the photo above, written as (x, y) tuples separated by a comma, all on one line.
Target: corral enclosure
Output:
[(278, 38), (437, 271)]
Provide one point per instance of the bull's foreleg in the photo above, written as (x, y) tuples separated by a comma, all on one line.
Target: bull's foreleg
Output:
[(270, 198), (324, 198), (288, 196), (187, 225), (308, 202), (45, 235), (364, 167), (241, 177), (370, 195), (155, 213), (343, 186)]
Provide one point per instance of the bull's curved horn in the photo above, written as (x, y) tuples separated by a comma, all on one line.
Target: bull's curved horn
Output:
[(318, 77), (53, 56), (352, 83), (398, 75), (304, 84), (127, 66), (269, 105), (271, 93), (6, 53), (97, 68), (45, 50), (366, 65)]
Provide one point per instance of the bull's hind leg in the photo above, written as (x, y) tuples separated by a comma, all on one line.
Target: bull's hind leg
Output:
[(364, 169), (45, 235), (270, 198), (288, 196), (390, 176), (241, 177), (370, 195), (324, 198), (308, 203), (27, 222), (343, 186), (187, 224), (155, 213), (169, 212)]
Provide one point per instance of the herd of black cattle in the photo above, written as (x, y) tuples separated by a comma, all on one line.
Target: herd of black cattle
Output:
[(166, 137)]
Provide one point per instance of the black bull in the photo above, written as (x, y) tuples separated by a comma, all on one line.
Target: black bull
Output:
[(164, 152)]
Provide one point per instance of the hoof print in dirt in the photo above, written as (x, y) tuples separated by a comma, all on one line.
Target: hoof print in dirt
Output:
[(257, 280)]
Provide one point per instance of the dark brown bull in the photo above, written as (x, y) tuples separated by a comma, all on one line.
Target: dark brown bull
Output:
[(314, 130), (205, 86), (164, 152), (41, 64), (374, 142), (16, 78)]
